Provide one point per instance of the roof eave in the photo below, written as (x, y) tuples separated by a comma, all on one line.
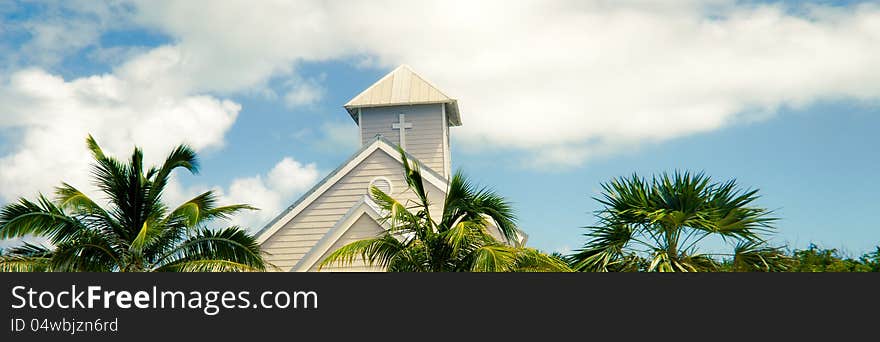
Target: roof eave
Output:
[(451, 109)]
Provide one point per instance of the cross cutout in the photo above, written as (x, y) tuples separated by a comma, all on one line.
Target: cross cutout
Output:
[(402, 125)]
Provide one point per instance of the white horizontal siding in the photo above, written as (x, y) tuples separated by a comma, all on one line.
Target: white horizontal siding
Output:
[(363, 228), (425, 140), (290, 243)]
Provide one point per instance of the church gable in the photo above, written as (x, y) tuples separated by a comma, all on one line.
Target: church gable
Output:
[(364, 227), (296, 232), (402, 110)]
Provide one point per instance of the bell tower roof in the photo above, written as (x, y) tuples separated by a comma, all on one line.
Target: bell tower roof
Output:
[(403, 86)]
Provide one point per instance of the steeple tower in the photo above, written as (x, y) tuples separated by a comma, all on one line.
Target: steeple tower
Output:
[(405, 108)]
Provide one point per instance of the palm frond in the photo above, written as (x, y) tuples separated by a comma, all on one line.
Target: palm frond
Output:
[(699, 263), (416, 257), (231, 244), (206, 265), (464, 201), (203, 208), (412, 173), (182, 156), (465, 235), (755, 256), (25, 258), (40, 219), (532, 260), (88, 251), (71, 198), (494, 258), (378, 251), (150, 231), (113, 178), (402, 221), (605, 250), (11, 263)]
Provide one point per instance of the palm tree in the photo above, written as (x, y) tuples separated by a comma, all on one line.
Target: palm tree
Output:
[(658, 225), (136, 233), (459, 241)]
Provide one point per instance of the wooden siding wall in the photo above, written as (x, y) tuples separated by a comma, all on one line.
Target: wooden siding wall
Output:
[(290, 243), (363, 228), (425, 140)]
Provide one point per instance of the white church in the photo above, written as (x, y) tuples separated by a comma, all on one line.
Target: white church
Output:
[(402, 108)]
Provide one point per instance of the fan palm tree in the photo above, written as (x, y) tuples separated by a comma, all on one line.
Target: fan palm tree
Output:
[(458, 241), (658, 225), (137, 232)]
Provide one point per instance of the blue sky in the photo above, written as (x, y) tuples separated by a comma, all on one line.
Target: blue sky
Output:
[(781, 96)]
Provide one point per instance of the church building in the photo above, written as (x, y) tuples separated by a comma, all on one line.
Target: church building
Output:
[(401, 109)]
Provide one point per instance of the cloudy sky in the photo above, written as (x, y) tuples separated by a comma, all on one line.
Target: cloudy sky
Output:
[(556, 97)]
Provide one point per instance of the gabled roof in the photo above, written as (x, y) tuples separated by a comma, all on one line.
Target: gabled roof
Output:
[(403, 86), (380, 143), (364, 207)]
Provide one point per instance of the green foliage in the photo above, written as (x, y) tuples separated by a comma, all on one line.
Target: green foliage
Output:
[(753, 256), (656, 225), (26, 258), (458, 242), (872, 260), (136, 233), (815, 259)]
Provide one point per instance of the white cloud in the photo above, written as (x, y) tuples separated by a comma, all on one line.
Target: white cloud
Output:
[(303, 94), (339, 136), (176, 194), (564, 250), (290, 176), (116, 55), (254, 191), (562, 81), (270, 193), (333, 136), (54, 117), (60, 29)]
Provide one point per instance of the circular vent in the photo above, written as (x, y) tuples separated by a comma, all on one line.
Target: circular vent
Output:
[(382, 183)]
